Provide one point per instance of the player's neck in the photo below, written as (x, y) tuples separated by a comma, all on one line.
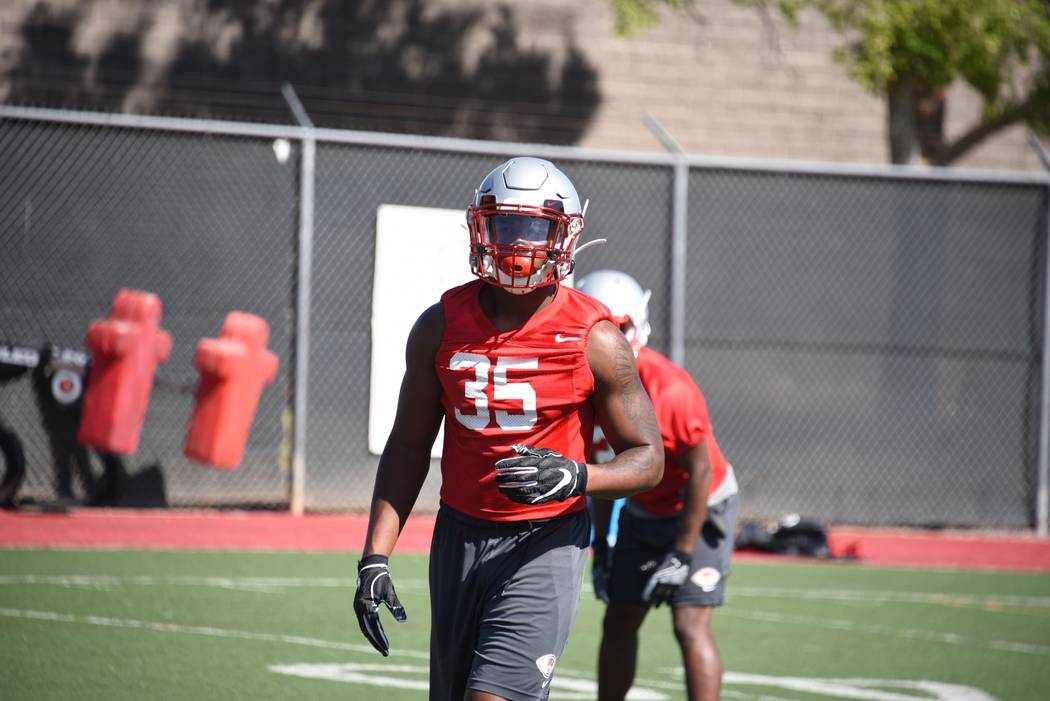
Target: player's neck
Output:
[(508, 312)]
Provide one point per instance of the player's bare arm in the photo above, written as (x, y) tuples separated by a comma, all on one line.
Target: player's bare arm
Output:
[(626, 416), (402, 469), (672, 571), (405, 461), (697, 463)]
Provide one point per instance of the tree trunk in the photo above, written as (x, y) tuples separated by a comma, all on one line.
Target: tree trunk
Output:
[(929, 120), (900, 118)]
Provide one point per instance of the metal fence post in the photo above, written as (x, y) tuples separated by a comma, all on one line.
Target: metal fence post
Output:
[(1042, 490), (679, 235), (678, 262), (297, 496)]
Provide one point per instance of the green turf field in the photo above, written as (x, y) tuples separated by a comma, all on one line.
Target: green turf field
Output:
[(176, 625)]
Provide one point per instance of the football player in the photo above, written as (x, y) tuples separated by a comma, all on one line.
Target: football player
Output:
[(674, 542), (518, 366)]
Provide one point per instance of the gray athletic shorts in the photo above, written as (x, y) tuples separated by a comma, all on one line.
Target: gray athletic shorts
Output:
[(642, 541), (503, 598)]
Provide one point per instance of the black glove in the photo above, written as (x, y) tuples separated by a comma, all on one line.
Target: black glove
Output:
[(374, 586), (600, 569), (670, 574), (540, 475)]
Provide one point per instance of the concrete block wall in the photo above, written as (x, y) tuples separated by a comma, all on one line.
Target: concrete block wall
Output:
[(733, 83), (737, 84)]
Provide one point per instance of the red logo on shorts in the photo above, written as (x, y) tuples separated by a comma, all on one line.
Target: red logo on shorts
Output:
[(546, 665), (706, 578)]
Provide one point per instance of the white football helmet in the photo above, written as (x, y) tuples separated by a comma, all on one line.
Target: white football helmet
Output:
[(524, 224), (625, 298)]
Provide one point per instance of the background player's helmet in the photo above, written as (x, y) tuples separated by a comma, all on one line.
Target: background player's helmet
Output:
[(625, 298), (524, 223)]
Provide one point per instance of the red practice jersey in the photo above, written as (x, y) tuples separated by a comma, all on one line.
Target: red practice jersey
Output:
[(531, 385), (681, 411)]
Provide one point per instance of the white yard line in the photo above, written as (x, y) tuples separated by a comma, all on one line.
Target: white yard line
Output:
[(253, 584), (882, 597), (904, 633), (106, 582), (862, 688), (103, 581), (210, 631), (990, 602)]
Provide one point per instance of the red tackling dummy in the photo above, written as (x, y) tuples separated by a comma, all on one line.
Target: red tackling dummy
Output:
[(233, 370), (125, 350)]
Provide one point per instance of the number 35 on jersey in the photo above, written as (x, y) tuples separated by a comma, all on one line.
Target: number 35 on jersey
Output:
[(507, 391)]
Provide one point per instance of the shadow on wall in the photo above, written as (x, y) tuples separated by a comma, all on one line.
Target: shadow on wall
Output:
[(395, 65)]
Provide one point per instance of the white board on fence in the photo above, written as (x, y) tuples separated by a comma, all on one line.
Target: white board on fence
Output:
[(420, 253)]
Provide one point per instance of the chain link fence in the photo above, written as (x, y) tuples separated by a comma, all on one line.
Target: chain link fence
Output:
[(208, 223), (870, 344)]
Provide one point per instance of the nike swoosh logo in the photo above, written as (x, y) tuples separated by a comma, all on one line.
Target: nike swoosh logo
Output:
[(562, 339), (566, 477)]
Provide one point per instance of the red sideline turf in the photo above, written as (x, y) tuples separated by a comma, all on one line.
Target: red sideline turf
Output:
[(238, 530)]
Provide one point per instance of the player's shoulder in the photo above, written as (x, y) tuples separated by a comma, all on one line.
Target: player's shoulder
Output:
[(460, 293), (673, 378), (584, 302), (434, 315), (605, 338), (428, 329), (581, 311)]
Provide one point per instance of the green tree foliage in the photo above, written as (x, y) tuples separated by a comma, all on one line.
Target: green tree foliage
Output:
[(911, 51), (632, 16)]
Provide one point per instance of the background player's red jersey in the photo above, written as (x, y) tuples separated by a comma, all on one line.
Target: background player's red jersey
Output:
[(681, 411), (530, 385)]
